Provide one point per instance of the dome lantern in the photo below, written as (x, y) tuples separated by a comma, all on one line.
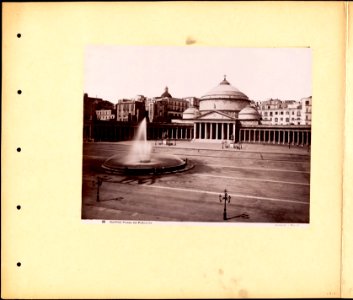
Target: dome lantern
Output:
[(166, 93)]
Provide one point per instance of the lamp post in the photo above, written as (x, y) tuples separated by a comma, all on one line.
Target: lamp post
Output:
[(99, 183), (226, 199)]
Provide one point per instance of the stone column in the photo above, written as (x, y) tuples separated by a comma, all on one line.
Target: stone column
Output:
[(227, 124), (199, 135), (279, 136), (222, 131), (296, 137), (234, 131), (194, 131), (284, 136)]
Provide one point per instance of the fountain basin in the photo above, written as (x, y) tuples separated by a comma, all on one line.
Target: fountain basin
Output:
[(157, 164)]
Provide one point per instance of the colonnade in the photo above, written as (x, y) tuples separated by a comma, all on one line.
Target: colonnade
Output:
[(214, 131), (275, 136), (175, 132), (208, 131)]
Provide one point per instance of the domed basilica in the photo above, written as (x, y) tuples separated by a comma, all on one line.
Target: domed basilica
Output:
[(221, 109)]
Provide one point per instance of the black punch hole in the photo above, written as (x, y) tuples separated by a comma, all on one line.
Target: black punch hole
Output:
[(18, 207), (18, 35), (18, 149), (19, 92), (18, 264)]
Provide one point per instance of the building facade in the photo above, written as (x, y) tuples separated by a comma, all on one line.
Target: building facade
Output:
[(306, 104), (288, 112), (105, 115), (132, 111), (90, 107), (165, 108)]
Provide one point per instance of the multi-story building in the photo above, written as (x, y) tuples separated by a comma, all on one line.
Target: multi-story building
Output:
[(306, 111), (288, 112), (105, 115), (193, 101), (91, 106), (165, 108), (128, 110)]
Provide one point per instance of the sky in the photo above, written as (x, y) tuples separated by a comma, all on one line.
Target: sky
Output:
[(116, 72)]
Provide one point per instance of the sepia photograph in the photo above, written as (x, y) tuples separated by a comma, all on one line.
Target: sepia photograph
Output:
[(196, 134), (168, 150)]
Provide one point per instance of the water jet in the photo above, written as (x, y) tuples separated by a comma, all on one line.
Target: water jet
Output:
[(141, 161)]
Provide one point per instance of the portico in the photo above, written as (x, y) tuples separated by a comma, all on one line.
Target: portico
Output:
[(214, 125)]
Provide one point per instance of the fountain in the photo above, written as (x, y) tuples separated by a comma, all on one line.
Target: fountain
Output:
[(140, 160)]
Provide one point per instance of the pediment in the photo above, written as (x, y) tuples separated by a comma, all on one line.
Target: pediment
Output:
[(215, 115)]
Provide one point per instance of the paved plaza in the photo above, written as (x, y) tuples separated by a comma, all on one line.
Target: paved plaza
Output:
[(267, 183)]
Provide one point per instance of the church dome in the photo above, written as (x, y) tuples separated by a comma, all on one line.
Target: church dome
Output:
[(224, 97), (166, 93), (249, 113), (225, 91), (191, 113)]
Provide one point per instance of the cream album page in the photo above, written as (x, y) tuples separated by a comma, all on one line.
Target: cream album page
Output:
[(176, 150)]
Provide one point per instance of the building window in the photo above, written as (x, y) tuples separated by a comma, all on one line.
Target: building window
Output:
[(292, 113), (270, 113), (276, 119), (265, 113), (287, 119), (281, 112), (281, 119), (306, 102)]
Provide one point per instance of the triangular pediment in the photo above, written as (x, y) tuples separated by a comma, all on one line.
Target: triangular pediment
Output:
[(215, 115)]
